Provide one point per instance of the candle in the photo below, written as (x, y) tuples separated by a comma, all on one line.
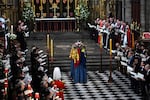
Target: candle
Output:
[(5, 85), (37, 96), (52, 48), (132, 40), (30, 94), (29, 87), (41, 8), (100, 40), (48, 41), (110, 44), (11, 29), (6, 70)]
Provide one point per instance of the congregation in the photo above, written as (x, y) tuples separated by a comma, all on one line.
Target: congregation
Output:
[(26, 81), (132, 55)]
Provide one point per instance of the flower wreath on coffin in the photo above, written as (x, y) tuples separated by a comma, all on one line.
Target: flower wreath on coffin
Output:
[(76, 50)]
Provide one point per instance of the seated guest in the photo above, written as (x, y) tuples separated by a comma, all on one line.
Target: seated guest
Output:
[(45, 92), (20, 36), (135, 64), (20, 88), (147, 77), (130, 56), (142, 81), (118, 47)]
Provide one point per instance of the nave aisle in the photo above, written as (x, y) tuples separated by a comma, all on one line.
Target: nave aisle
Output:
[(98, 88)]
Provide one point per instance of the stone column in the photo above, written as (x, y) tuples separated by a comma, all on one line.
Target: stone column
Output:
[(123, 10), (142, 15), (127, 10), (147, 15)]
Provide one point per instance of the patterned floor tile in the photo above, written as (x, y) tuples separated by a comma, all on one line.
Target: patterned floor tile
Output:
[(98, 88)]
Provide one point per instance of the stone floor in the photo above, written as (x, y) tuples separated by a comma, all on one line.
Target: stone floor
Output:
[(98, 88)]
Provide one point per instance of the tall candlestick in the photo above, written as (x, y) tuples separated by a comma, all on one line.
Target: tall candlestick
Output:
[(11, 29), (41, 8), (41, 4), (48, 42), (34, 10), (32, 2), (75, 3), (78, 8), (33, 7), (110, 44), (85, 2), (68, 8), (6, 4), (52, 48), (100, 41), (110, 76), (132, 40)]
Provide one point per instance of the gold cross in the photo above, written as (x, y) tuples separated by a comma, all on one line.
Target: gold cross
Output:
[(54, 6)]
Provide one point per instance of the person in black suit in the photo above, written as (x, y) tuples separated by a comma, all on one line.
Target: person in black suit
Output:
[(147, 77)]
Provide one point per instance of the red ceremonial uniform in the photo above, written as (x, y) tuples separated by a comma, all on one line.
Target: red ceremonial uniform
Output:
[(61, 86)]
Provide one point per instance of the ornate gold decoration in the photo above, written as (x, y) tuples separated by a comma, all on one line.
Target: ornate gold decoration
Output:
[(50, 1), (54, 6), (68, 7), (44, 1), (57, 1), (41, 8)]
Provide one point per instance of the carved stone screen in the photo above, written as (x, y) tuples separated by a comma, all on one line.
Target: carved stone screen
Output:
[(54, 8)]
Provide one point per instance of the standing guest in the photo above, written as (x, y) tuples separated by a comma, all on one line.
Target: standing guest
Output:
[(130, 57), (45, 92), (147, 77), (38, 78), (19, 74), (20, 36), (14, 60), (20, 88), (112, 36), (33, 57), (136, 65), (142, 81)]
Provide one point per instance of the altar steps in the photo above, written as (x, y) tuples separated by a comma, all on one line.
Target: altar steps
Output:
[(63, 42), (62, 46)]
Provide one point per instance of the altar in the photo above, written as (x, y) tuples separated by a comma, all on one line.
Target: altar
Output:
[(55, 15), (55, 24)]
